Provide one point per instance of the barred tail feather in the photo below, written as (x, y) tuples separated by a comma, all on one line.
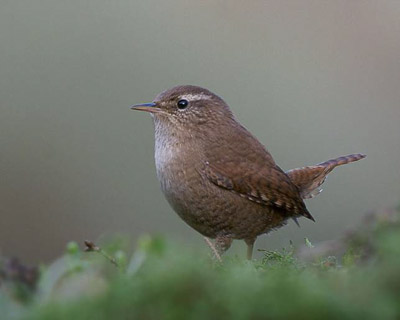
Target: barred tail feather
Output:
[(309, 179)]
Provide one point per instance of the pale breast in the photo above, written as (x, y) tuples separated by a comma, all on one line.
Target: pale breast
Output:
[(166, 158), (169, 160)]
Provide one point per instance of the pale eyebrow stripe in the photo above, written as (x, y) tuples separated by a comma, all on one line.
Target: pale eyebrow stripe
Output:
[(194, 97)]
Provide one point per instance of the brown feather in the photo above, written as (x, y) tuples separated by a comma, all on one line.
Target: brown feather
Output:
[(309, 179), (254, 175)]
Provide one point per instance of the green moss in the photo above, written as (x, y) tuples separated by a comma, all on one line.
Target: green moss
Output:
[(162, 280)]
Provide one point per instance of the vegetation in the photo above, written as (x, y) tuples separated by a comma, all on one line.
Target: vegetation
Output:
[(355, 277)]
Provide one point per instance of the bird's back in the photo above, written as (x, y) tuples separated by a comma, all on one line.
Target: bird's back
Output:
[(240, 163)]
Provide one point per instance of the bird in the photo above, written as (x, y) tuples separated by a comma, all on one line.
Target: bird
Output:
[(218, 177)]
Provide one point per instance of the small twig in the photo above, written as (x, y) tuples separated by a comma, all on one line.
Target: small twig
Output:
[(91, 247)]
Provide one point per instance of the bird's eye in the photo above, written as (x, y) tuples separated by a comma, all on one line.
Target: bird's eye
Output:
[(182, 104)]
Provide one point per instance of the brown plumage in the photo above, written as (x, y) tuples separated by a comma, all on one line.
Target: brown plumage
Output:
[(309, 179), (218, 177)]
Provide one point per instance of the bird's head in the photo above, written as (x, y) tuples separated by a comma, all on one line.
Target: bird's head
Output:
[(187, 106)]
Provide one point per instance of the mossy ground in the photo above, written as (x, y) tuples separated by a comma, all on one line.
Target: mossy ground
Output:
[(162, 280)]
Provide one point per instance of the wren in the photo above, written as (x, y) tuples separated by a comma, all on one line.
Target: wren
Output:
[(218, 177)]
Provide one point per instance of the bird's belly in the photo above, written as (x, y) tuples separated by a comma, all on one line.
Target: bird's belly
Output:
[(213, 211)]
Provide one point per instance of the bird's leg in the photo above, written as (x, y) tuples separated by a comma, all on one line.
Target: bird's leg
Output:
[(221, 244), (250, 245), (213, 249)]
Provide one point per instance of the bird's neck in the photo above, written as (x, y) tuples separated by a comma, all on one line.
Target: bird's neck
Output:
[(174, 147)]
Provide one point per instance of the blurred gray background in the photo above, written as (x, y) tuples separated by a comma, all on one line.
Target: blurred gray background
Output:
[(311, 79)]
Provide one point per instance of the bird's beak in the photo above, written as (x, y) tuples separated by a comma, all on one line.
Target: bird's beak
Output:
[(148, 107)]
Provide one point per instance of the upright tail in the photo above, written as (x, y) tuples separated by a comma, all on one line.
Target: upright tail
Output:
[(309, 179)]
